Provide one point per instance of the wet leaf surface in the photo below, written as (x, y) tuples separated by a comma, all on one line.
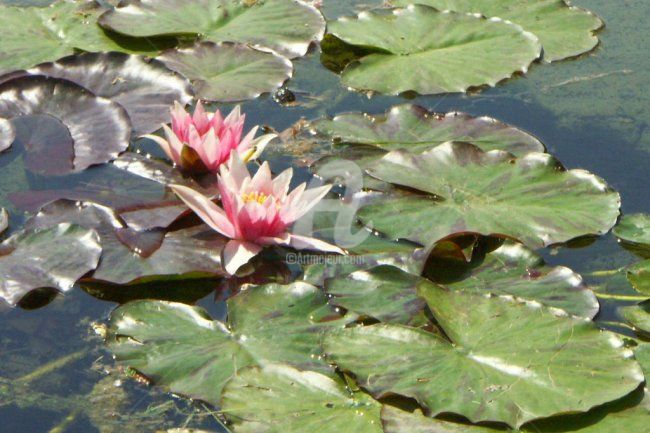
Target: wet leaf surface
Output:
[(279, 398), (564, 31), (495, 372), (634, 228), (100, 128), (284, 26), (144, 87), (639, 276), (181, 348), (55, 258), (227, 72), (638, 316), (7, 134), (421, 49), (532, 198)]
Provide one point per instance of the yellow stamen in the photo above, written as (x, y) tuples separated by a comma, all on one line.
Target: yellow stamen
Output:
[(257, 196)]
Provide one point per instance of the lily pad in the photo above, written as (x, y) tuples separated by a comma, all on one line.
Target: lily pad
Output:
[(531, 198), (634, 229), (396, 420), (503, 354), (515, 270), (564, 31), (281, 399), (99, 127), (639, 276), (55, 257), (144, 87), (287, 27), (181, 348), (385, 293), (421, 49), (133, 256), (29, 36), (227, 72), (416, 129), (7, 134), (638, 316)]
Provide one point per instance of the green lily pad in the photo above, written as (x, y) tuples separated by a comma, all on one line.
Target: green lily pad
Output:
[(29, 36), (564, 31), (227, 72), (515, 270), (287, 27), (396, 420), (281, 399), (55, 257), (7, 134), (385, 293), (427, 51), (503, 354), (532, 198), (638, 316), (133, 256), (639, 276), (144, 87), (415, 129), (181, 348), (634, 229)]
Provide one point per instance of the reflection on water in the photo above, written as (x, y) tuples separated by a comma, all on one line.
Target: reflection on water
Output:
[(592, 114)]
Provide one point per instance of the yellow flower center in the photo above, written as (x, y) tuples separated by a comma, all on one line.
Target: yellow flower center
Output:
[(256, 196)]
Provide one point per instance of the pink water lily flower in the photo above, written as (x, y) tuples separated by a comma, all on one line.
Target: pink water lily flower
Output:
[(200, 143), (257, 211)]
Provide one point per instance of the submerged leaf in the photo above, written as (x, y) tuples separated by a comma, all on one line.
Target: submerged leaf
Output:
[(7, 134), (421, 49), (285, 26), (100, 128), (55, 257), (504, 354), (144, 87), (227, 72), (131, 256), (564, 31), (181, 348), (415, 129), (281, 399), (531, 198)]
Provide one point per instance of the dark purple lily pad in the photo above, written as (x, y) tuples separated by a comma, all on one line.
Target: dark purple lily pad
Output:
[(145, 87), (52, 257), (132, 256), (99, 127), (7, 134), (49, 148)]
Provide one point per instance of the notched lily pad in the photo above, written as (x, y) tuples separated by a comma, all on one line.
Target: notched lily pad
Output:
[(639, 276), (416, 129), (54, 257), (634, 232), (531, 198), (131, 256), (181, 348), (564, 31), (638, 316), (503, 354), (227, 72), (144, 87), (99, 127), (421, 49), (287, 27), (515, 270), (281, 399), (7, 134)]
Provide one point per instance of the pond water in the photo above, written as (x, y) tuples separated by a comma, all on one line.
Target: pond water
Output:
[(592, 113)]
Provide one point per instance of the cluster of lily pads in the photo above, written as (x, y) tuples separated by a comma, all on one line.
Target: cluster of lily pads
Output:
[(442, 319)]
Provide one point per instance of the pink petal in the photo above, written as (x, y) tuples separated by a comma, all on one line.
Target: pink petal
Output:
[(262, 181), (309, 199), (234, 116), (307, 243), (179, 117), (211, 149), (245, 143), (258, 145), (285, 239), (238, 253), (200, 119), (196, 143), (165, 145), (281, 183), (237, 170), (209, 212)]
